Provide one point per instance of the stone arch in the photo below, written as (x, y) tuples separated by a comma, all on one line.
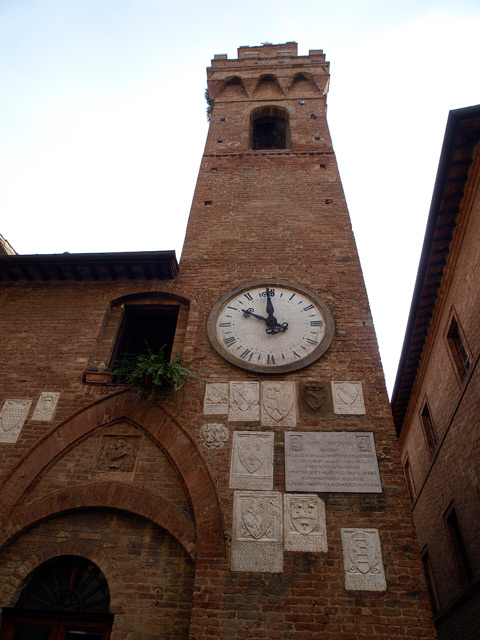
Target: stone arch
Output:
[(234, 88), (10, 589), (169, 436), (303, 84), (267, 86)]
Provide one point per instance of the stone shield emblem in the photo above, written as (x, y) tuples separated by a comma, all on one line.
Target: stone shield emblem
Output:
[(347, 393), (257, 518), (277, 401), (362, 552), (244, 395), (304, 515), (314, 396), (252, 453)]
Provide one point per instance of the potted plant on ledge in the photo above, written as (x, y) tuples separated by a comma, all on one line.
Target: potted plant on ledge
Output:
[(151, 371)]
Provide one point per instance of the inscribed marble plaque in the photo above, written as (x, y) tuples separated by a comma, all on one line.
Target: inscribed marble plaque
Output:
[(12, 418), (216, 398), (213, 435), (362, 560), (341, 461), (45, 407), (252, 460), (244, 401), (348, 398), (304, 523), (278, 406), (257, 531)]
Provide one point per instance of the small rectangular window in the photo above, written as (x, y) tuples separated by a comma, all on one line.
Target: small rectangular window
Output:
[(143, 324), (429, 429), (409, 478), (457, 544), (458, 349), (430, 580)]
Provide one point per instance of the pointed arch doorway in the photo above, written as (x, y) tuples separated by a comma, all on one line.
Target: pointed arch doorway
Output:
[(66, 598)]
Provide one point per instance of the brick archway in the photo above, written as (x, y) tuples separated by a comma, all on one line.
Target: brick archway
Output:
[(162, 429)]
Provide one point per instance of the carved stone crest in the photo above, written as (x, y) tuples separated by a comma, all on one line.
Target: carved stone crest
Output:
[(244, 401), (12, 418), (213, 435), (118, 454), (252, 460), (257, 532), (362, 559), (278, 404), (305, 528), (216, 398), (314, 399), (46, 405), (348, 398)]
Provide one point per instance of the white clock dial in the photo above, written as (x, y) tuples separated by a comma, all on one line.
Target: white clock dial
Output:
[(270, 326)]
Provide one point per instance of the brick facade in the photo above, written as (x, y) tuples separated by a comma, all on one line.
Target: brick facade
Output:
[(436, 396), (161, 530)]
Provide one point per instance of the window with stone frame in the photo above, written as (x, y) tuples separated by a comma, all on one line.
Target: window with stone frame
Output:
[(457, 545), (458, 348), (429, 430)]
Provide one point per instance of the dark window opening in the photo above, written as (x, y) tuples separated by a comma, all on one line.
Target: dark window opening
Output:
[(458, 350), (67, 598), (457, 544), (409, 478), (429, 579), (142, 325), (269, 129), (429, 429)]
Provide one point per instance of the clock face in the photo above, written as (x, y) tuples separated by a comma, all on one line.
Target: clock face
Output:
[(270, 326)]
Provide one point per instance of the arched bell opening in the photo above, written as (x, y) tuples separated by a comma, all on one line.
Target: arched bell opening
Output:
[(269, 128), (66, 598)]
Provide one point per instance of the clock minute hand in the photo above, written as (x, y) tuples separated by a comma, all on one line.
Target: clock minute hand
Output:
[(270, 320)]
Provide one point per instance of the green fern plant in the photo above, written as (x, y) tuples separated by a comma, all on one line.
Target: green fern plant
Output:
[(149, 372)]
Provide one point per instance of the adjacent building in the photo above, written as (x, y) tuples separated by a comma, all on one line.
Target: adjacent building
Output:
[(436, 400)]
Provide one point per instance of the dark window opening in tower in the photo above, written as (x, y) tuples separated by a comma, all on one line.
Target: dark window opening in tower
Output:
[(269, 129)]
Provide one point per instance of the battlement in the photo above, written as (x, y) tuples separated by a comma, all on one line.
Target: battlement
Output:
[(268, 52)]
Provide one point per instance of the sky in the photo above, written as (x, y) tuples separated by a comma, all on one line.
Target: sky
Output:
[(102, 120)]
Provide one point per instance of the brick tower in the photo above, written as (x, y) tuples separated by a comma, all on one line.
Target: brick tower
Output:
[(268, 500)]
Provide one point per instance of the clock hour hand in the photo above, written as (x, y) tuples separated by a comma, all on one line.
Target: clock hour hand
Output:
[(249, 312)]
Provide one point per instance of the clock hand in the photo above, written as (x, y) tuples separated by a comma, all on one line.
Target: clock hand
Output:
[(249, 312), (271, 320)]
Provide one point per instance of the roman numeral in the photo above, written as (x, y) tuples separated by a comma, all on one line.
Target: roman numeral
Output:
[(229, 341), (225, 324), (310, 341), (292, 296), (316, 323), (270, 359), (248, 296), (245, 353), (310, 306), (233, 308), (296, 354)]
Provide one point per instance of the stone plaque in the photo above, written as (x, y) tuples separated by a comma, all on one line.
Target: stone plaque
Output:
[(331, 461), (252, 460), (278, 406), (362, 560), (348, 398), (117, 454), (257, 531), (315, 399), (216, 398), (45, 407), (213, 435), (304, 523), (244, 401), (12, 418)]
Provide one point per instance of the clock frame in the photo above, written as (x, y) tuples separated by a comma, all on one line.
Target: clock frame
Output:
[(243, 339)]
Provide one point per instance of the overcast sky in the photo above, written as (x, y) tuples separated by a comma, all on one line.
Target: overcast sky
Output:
[(102, 120)]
